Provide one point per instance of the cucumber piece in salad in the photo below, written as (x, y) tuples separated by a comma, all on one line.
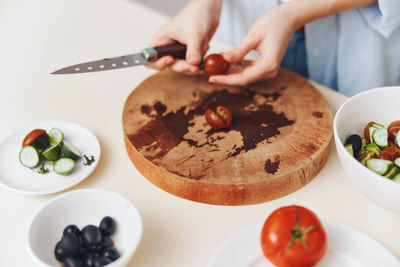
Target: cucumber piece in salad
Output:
[(371, 147), (69, 151), (29, 156), (397, 139), (397, 162), (392, 172), (397, 178), (64, 166), (56, 136), (52, 153), (380, 166), (380, 137)]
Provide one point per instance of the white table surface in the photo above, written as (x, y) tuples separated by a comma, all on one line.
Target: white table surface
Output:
[(38, 37)]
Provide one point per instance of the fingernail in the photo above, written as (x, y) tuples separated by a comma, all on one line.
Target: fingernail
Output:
[(211, 80), (194, 58), (168, 60)]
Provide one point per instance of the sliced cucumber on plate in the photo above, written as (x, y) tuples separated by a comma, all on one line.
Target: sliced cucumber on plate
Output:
[(29, 156), (56, 136), (69, 151), (52, 153), (64, 166)]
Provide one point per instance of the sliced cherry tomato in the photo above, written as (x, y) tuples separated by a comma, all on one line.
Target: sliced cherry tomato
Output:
[(293, 236), (220, 119), (366, 131), (215, 64), (393, 129), (385, 155), (393, 150), (31, 137)]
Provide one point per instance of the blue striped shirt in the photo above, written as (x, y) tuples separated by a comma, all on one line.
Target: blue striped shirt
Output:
[(351, 52)]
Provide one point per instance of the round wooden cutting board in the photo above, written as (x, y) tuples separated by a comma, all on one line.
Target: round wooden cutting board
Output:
[(279, 139)]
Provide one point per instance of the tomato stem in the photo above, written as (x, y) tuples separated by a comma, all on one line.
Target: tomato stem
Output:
[(299, 233)]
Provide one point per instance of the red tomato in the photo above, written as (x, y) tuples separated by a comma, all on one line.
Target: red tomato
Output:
[(393, 129), (215, 64), (386, 155), (31, 137), (293, 236), (220, 119), (366, 131), (393, 150)]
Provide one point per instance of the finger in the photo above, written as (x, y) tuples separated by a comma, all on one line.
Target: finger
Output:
[(161, 38), (240, 51), (161, 63), (183, 66), (257, 71), (193, 50)]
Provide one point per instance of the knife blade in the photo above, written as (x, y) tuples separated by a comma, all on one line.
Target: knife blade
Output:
[(176, 50)]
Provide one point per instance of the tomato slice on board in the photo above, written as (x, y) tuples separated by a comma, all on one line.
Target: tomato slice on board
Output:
[(293, 236)]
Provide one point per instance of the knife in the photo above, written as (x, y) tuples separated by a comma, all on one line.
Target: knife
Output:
[(176, 50)]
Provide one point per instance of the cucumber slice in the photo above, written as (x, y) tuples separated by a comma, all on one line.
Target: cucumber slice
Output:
[(397, 162), (380, 137), (69, 151), (377, 125), (56, 136), (371, 130), (380, 166), (52, 153), (371, 147), (397, 178), (349, 148), (29, 156), (64, 166), (392, 172), (397, 139), (42, 142), (364, 157)]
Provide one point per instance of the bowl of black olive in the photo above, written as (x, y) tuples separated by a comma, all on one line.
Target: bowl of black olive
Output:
[(85, 228)]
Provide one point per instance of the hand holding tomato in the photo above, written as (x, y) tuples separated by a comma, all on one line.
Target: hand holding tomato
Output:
[(293, 236)]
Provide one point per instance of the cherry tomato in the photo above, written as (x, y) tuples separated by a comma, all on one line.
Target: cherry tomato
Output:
[(215, 64), (385, 155), (393, 129), (393, 150), (31, 137), (220, 119), (293, 236), (366, 131)]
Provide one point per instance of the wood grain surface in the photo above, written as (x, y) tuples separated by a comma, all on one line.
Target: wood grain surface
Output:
[(280, 137)]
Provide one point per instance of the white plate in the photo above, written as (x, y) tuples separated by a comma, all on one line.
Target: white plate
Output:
[(83, 207), (15, 177), (347, 247)]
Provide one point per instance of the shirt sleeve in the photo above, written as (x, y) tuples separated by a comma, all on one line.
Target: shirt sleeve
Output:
[(383, 17)]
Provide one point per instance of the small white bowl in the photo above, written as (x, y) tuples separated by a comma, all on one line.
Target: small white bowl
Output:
[(83, 207), (381, 105)]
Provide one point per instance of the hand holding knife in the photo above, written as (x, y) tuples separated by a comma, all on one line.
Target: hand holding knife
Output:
[(176, 50)]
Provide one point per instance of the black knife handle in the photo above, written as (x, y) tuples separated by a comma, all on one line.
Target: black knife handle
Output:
[(176, 50)]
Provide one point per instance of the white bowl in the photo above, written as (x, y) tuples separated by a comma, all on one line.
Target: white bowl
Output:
[(83, 207), (381, 105)]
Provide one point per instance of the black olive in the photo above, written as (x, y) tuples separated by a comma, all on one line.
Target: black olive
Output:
[(70, 243), (102, 261), (91, 235), (104, 243), (71, 229), (88, 260), (72, 262), (107, 226), (111, 253), (59, 252), (355, 141)]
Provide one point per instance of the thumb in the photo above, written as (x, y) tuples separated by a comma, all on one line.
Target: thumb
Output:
[(193, 50), (241, 50)]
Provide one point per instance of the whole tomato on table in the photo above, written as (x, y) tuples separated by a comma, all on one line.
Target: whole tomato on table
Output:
[(293, 236)]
